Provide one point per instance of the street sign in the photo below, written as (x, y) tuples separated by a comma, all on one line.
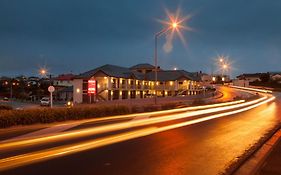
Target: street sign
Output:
[(92, 87), (51, 88)]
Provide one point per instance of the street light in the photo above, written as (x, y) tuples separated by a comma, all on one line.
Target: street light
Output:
[(43, 72), (11, 87), (173, 25)]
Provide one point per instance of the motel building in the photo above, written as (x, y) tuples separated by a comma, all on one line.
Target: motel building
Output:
[(110, 82)]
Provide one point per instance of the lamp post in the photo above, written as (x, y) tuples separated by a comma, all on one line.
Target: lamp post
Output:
[(224, 67), (174, 25)]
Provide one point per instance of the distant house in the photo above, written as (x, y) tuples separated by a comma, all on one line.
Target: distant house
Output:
[(64, 87), (275, 76), (242, 83), (250, 77), (33, 80), (64, 80)]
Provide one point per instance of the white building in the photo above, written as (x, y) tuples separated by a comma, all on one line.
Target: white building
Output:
[(64, 80), (117, 83)]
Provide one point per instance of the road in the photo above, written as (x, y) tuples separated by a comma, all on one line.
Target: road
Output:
[(205, 147)]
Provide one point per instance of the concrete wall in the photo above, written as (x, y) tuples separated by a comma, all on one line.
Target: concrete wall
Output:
[(77, 90), (242, 83)]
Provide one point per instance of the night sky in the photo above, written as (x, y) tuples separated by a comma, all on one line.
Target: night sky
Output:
[(72, 35)]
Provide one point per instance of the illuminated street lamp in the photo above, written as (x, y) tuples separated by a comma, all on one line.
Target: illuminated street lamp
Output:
[(174, 26), (11, 87), (43, 72)]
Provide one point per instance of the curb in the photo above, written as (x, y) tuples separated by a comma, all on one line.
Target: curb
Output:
[(255, 162), (250, 162)]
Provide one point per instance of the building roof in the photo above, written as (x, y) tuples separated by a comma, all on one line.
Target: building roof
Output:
[(171, 75), (257, 75), (64, 77), (110, 70), (274, 73), (123, 72), (142, 66)]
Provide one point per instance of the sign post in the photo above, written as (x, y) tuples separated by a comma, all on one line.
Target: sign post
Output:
[(92, 88), (51, 89)]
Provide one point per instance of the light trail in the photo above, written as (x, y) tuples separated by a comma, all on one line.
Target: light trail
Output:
[(24, 159), (120, 126), (165, 112), (252, 89), (52, 137)]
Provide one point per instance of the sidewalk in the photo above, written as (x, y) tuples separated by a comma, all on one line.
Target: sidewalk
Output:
[(266, 160), (272, 164)]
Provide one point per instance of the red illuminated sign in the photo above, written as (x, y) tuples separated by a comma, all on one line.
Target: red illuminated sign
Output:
[(92, 87)]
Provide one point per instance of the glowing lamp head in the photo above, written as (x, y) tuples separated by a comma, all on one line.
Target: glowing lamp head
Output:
[(43, 72), (174, 25), (224, 66)]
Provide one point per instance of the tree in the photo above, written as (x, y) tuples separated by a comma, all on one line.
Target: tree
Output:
[(265, 77)]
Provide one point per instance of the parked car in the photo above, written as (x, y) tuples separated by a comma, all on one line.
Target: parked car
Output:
[(5, 99), (45, 101)]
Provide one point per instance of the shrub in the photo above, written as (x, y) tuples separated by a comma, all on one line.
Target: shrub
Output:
[(10, 118), (169, 106), (198, 102), (5, 107), (31, 116)]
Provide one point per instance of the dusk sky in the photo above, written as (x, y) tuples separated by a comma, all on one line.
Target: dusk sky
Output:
[(71, 35)]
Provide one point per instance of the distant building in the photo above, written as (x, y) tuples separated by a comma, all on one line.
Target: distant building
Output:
[(242, 83), (32, 81), (116, 83), (64, 87), (64, 80), (275, 76), (250, 77)]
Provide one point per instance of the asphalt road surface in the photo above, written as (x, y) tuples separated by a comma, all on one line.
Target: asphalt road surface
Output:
[(206, 147)]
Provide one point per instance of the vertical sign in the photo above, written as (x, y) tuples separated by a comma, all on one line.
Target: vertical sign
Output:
[(92, 87), (51, 89)]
